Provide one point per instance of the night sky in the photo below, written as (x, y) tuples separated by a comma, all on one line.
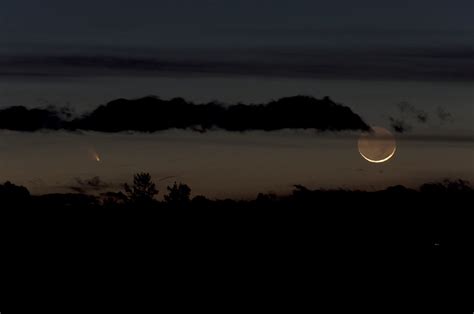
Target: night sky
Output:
[(236, 24)]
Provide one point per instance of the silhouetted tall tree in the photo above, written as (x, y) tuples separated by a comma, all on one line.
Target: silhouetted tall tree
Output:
[(143, 190), (178, 195)]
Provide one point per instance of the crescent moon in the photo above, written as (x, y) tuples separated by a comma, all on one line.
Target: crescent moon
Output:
[(379, 161), (377, 146)]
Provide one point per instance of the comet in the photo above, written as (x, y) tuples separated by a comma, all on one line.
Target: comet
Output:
[(94, 155)]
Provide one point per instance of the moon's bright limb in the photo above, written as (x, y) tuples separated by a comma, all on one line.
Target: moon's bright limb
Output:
[(379, 161), (377, 146)]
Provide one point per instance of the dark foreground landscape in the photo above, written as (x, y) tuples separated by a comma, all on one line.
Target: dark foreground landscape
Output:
[(435, 217), (337, 241)]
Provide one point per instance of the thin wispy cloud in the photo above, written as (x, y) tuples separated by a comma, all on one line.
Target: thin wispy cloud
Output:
[(89, 185), (385, 64), (409, 115)]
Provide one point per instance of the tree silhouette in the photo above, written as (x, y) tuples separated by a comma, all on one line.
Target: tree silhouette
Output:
[(435, 199), (143, 190), (113, 199), (447, 186), (178, 195)]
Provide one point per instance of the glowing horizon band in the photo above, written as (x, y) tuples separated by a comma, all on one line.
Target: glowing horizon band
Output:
[(381, 160)]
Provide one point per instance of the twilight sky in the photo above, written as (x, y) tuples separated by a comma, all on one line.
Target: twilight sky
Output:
[(369, 55)]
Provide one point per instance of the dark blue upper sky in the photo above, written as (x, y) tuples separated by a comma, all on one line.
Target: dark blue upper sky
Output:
[(212, 23)]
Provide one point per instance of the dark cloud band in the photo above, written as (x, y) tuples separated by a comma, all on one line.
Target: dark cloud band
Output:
[(152, 114)]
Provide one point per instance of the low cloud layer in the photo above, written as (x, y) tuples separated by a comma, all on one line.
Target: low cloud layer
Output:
[(91, 185), (152, 114)]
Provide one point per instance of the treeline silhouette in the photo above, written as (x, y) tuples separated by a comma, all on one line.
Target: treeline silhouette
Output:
[(398, 224), (152, 114), (142, 194)]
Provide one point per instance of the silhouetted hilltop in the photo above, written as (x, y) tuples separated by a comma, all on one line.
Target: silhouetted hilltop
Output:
[(11, 194), (152, 114)]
